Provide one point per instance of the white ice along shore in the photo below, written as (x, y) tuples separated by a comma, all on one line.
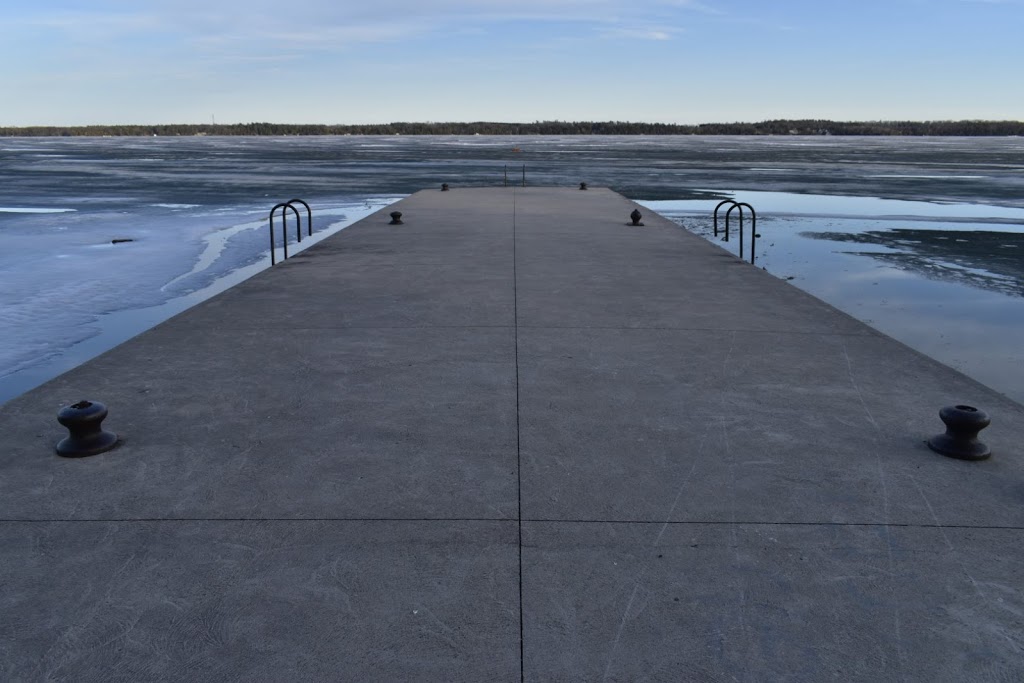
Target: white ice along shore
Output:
[(790, 204), (66, 282), (25, 209)]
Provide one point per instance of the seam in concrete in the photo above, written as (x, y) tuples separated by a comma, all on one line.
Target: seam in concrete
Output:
[(519, 456), (120, 520), (866, 525), (372, 327), (705, 329), (553, 327), (506, 520)]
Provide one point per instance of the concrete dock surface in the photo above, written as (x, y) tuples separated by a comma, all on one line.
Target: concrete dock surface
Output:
[(512, 439)]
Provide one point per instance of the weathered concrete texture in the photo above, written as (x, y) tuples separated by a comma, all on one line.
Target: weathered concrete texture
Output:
[(353, 465), (699, 602), (260, 601), (302, 424)]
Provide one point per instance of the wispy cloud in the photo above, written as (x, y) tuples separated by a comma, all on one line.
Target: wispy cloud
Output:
[(95, 24), (695, 6), (540, 58), (376, 21), (298, 37), (656, 34)]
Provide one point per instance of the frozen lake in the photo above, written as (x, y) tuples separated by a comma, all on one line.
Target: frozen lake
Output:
[(921, 238)]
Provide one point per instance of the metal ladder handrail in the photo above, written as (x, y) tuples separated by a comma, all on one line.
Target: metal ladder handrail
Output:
[(506, 175), (309, 215), (720, 205), (284, 206), (754, 224), (753, 227)]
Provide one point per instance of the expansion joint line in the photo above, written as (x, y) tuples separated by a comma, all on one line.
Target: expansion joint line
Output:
[(519, 457)]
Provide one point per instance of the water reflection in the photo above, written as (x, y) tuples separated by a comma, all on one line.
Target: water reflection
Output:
[(988, 260)]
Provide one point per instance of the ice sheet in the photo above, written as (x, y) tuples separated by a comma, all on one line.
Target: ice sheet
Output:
[(64, 279)]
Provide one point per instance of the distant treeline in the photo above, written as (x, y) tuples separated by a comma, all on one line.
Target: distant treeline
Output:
[(777, 127)]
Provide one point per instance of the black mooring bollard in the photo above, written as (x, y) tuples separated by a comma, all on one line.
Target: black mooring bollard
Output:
[(961, 438), (583, 186), (396, 218), (87, 436), (444, 187), (635, 217)]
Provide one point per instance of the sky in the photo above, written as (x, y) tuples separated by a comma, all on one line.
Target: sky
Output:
[(78, 62)]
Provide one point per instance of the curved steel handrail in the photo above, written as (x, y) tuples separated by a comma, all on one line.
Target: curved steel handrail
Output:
[(753, 227), (753, 230), (284, 206), (506, 175), (720, 205), (735, 205), (309, 216)]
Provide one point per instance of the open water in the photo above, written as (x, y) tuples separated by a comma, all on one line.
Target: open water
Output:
[(922, 238)]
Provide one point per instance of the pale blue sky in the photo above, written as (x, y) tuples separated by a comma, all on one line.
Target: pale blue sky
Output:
[(342, 61)]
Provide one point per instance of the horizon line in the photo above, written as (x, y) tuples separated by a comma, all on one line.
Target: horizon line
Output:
[(525, 123)]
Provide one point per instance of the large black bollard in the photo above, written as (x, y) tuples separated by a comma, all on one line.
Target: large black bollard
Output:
[(961, 438), (87, 436)]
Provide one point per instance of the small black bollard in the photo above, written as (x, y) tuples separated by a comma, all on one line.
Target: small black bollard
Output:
[(635, 217), (961, 438), (583, 186), (87, 436), (444, 187), (396, 218)]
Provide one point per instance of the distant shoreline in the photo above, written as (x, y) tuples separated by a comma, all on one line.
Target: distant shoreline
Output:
[(774, 127)]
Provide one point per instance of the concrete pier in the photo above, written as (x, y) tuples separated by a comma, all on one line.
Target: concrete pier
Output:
[(512, 439)]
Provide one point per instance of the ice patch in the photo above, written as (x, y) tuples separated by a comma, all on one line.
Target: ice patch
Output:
[(71, 293), (177, 206), (215, 244), (791, 204), (932, 177), (21, 209)]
